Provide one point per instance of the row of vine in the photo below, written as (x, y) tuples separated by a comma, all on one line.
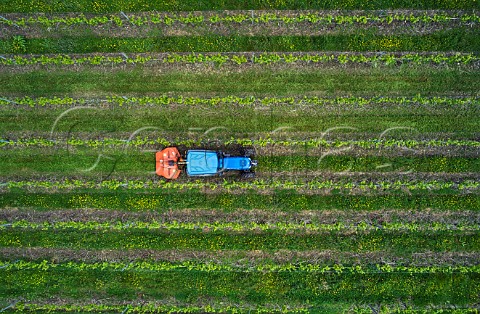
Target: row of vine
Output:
[(122, 19), (236, 226), (139, 142), (314, 184), (163, 100), (216, 267), (388, 59)]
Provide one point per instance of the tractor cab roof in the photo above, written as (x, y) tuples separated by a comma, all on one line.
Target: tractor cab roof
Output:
[(202, 162)]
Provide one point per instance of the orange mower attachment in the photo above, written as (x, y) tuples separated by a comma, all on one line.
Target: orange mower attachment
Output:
[(167, 163)]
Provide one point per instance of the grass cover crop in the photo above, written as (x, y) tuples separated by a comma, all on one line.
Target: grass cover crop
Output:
[(249, 287)]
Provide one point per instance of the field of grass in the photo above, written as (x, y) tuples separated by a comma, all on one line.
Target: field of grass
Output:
[(365, 118)]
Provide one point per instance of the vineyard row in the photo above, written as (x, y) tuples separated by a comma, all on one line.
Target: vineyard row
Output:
[(242, 101), (244, 58), (139, 142), (238, 227), (68, 184), (250, 17), (149, 307), (215, 267)]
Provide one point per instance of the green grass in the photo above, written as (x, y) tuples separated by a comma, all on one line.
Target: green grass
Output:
[(174, 122), (451, 40), (243, 287), (192, 5), (368, 163), (332, 292), (258, 288), (289, 201), (391, 242), (335, 81)]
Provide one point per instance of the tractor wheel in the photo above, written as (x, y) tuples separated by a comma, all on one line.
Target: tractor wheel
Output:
[(247, 152), (212, 145), (248, 175)]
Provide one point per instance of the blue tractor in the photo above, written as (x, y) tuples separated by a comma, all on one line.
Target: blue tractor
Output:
[(199, 162)]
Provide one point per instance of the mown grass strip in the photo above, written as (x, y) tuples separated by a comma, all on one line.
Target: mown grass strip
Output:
[(460, 39), (328, 82), (107, 6), (368, 164), (407, 122), (287, 201), (393, 242)]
